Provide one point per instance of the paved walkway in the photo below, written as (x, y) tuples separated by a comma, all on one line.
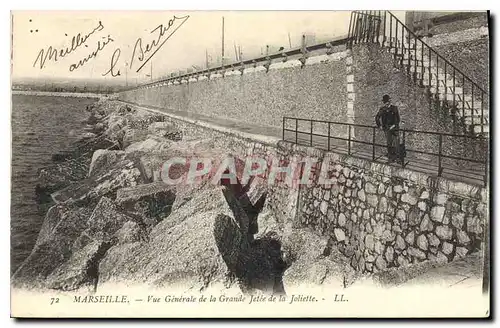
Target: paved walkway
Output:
[(473, 174), (463, 273)]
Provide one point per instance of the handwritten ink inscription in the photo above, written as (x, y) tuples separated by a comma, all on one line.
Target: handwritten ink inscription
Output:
[(100, 46), (142, 51), (52, 53)]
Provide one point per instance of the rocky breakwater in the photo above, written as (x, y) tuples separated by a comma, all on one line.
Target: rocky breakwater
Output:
[(112, 218)]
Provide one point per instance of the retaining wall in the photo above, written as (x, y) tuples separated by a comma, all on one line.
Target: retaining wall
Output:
[(379, 216), (316, 91)]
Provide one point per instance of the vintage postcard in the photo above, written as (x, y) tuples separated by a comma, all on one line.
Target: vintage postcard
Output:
[(283, 164)]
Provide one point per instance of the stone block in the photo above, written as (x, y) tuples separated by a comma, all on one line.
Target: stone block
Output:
[(444, 232), (447, 248), (324, 207), (361, 195), (342, 220), (441, 199), (422, 242), (474, 225), (370, 188), (460, 252), (401, 215), (426, 224), (380, 263), (437, 213), (457, 220), (370, 242), (406, 198), (410, 238), (462, 237), (397, 189), (416, 253), (389, 254), (372, 200), (400, 243), (422, 206), (433, 240), (339, 234)]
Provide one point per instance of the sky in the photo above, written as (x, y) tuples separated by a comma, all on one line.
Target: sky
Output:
[(115, 32)]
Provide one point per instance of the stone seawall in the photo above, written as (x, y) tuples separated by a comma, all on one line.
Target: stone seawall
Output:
[(378, 216), (316, 91), (381, 216)]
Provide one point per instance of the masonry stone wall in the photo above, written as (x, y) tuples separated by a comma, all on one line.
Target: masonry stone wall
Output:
[(375, 74), (474, 21), (381, 216), (315, 91)]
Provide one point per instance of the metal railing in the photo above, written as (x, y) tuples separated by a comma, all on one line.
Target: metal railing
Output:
[(345, 134), (301, 51), (426, 65)]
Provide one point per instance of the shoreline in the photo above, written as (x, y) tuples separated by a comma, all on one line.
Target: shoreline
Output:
[(59, 94)]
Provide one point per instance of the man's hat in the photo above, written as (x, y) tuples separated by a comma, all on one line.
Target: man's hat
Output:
[(386, 98)]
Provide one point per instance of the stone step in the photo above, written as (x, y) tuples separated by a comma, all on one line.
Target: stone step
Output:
[(484, 129), (476, 120), (469, 105)]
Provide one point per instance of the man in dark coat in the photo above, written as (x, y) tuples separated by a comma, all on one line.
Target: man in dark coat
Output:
[(388, 120)]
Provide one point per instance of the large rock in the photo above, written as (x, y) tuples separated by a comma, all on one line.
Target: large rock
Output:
[(130, 232), (313, 261), (165, 130), (105, 221), (181, 250), (103, 159), (62, 225), (115, 176), (80, 270), (151, 202), (150, 145), (131, 136)]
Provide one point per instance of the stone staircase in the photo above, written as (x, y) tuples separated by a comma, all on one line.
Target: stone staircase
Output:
[(445, 84), (447, 90)]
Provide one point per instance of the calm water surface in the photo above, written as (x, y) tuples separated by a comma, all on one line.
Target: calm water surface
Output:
[(41, 126)]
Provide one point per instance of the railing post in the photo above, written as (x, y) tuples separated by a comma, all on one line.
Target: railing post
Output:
[(473, 109), (328, 136), (397, 40), (415, 60), (445, 84), (349, 142), (390, 30), (410, 56), (437, 76), (430, 69), (384, 31), (297, 131), (422, 59), (482, 113), (454, 89), (440, 169), (463, 98), (402, 44), (311, 133), (284, 118), (373, 144), (349, 35), (379, 22), (404, 143), (486, 170)]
